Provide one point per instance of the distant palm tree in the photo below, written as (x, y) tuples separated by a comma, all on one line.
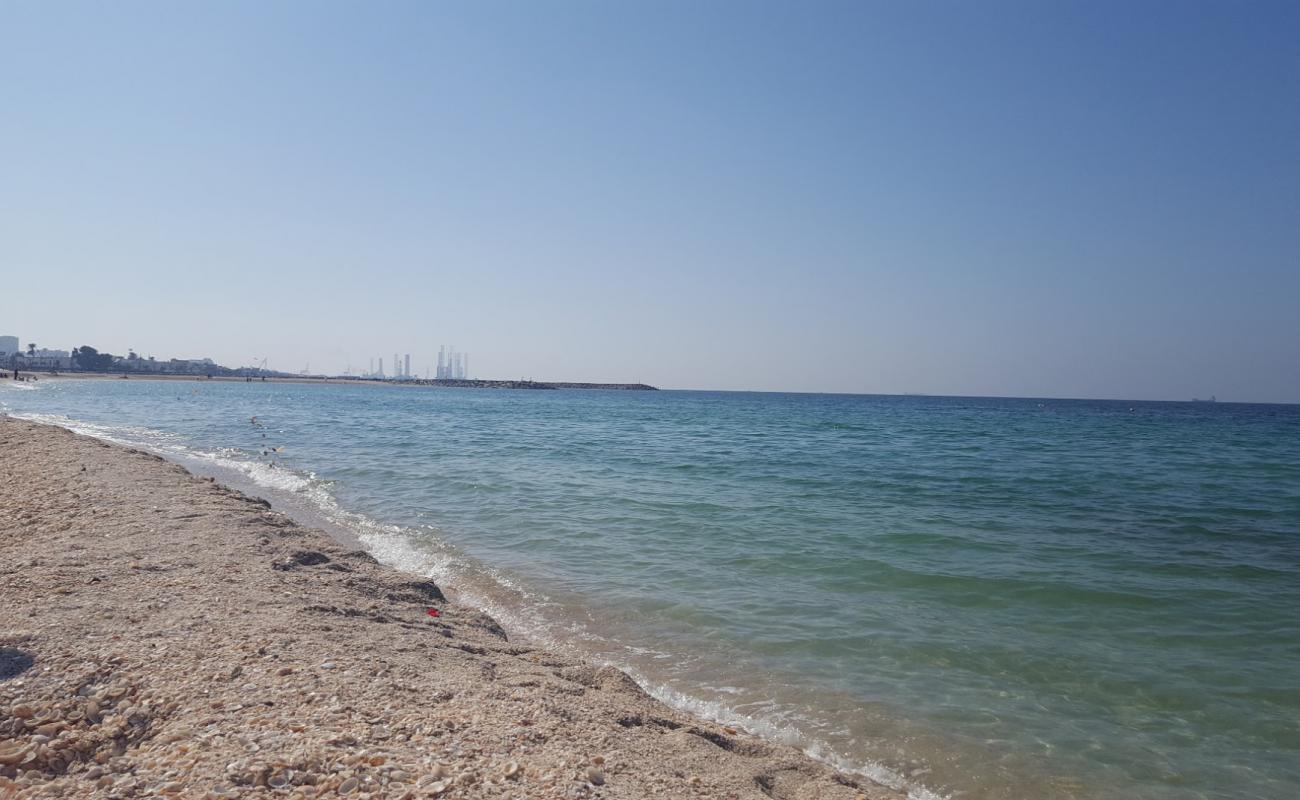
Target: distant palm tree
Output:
[(31, 349)]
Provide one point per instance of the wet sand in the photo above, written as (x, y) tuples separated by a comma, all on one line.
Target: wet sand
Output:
[(161, 635)]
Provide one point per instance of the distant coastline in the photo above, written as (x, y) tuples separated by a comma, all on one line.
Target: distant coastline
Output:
[(467, 383), (464, 383)]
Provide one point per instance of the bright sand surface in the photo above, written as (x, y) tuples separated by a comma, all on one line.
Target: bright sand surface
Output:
[(161, 635)]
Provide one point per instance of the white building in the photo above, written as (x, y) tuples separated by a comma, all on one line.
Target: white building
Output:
[(8, 346), (45, 359)]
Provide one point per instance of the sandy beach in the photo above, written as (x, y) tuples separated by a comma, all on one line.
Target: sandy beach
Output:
[(161, 635)]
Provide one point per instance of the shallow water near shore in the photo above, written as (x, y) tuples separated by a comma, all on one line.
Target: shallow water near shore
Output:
[(976, 598)]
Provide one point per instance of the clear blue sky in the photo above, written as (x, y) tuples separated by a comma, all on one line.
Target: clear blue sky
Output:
[(1096, 199)]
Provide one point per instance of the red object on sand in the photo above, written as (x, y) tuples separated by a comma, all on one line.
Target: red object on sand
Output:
[(433, 612)]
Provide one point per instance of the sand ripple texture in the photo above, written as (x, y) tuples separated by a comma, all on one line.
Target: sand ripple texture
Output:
[(162, 636)]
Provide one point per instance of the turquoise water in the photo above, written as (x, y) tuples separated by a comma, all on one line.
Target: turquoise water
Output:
[(975, 598)]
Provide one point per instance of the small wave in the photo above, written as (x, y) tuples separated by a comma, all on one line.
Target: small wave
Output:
[(777, 727)]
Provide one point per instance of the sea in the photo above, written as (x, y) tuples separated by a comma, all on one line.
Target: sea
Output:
[(960, 597)]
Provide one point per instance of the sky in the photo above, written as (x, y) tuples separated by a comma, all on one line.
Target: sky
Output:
[(1050, 199)]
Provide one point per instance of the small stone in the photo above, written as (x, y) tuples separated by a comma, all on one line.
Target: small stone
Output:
[(595, 777), (348, 786)]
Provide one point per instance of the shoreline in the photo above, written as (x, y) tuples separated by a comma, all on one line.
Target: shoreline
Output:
[(256, 652)]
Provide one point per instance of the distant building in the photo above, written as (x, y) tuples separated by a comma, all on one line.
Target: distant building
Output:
[(44, 359), (452, 365), (406, 367), (8, 346)]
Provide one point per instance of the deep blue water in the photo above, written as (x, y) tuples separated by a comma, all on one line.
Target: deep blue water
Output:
[(980, 598)]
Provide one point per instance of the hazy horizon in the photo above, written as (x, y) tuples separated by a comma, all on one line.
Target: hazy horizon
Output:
[(1093, 200)]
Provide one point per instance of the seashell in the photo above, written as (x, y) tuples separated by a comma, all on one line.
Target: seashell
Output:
[(439, 771), (512, 769), (280, 779), (75, 715), (348, 786), (377, 761), (116, 692), (439, 787), (23, 711), (11, 753), (105, 781), (595, 777)]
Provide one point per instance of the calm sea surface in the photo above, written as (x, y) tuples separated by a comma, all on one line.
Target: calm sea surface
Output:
[(975, 598)]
